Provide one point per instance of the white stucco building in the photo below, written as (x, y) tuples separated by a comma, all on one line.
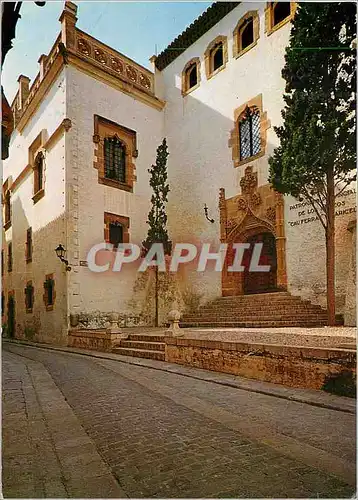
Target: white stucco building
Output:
[(86, 132)]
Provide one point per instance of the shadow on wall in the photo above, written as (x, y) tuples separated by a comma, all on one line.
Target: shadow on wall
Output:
[(41, 323)]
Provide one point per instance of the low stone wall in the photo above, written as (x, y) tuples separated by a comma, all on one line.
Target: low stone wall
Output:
[(98, 340), (304, 367)]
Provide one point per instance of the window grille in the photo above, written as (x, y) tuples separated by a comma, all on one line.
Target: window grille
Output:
[(114, 159), (250, 134)]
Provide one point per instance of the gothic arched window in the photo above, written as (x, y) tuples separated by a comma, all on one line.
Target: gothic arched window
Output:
[(217, 56), (249, 133), (114, 159), (247, 34), (281, 10), (192, 76), (277, 14)]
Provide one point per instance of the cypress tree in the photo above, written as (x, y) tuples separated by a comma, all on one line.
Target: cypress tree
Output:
[(316, 158)]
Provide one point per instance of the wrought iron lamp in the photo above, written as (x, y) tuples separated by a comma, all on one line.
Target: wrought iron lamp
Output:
[(206, 214), (61, 254)]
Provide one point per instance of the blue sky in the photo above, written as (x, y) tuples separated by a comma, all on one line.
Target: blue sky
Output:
[(137, 29)]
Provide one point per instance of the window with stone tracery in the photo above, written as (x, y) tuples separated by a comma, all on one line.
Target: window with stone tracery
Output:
[(249, 133), (114, 154), (114, 159)]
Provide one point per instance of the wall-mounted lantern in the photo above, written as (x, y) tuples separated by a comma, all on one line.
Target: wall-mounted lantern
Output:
[(61, 254), (206, 214)]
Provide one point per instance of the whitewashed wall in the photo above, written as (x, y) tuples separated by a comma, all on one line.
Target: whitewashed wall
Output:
[(47, 219), (198, 130), (88, 292)]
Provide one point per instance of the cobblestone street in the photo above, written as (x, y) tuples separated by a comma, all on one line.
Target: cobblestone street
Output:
[(76, 426)]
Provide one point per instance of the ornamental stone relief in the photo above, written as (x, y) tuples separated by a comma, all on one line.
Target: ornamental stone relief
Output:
[(131, 73), (249, 182), (117, 65), (111, 62), (100, 56), (258, 209), (84, 47)]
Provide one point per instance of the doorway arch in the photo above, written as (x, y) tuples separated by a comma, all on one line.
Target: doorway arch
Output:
[(261, 282), (249, 282)]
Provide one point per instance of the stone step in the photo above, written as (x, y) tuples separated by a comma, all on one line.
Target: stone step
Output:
[(145, 338), (146, 345), (251, 324), (281, 303), (140, 353), (263, 305), (243, 319), (251, 310)]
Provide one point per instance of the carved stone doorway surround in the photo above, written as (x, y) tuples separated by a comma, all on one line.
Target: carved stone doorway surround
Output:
[(256, 210)]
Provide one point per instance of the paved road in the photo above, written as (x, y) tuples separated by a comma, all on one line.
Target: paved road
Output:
[(76, 426)]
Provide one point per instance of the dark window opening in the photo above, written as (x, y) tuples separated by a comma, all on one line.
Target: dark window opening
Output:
[(192, 76), (247, 34), (2, 263), (280, 11), (7, 207), (39, 172), (250, 135), (114, 159), (9, 258), (49, 291), (29, 245), (218, 57), (115, 234), (29, 296), (2, 304)]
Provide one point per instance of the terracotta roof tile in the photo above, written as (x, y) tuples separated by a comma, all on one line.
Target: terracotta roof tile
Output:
[(198, 28)]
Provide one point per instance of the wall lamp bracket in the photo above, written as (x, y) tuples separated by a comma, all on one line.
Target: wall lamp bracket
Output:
[(206, 214), (61, 254)]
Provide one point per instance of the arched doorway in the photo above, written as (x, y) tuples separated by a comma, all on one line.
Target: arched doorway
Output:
[(261, 282), (11, 316), (246, 281)]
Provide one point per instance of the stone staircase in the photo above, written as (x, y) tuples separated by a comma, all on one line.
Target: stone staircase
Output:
[(142, 346), (272, 310)]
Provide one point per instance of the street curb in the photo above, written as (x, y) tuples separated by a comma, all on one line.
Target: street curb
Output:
[(342, 404)]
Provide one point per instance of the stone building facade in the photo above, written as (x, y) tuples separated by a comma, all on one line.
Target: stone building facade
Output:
[(86, 132)]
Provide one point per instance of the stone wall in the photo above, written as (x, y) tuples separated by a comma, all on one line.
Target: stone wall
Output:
[(291, 366), (98, 340)]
